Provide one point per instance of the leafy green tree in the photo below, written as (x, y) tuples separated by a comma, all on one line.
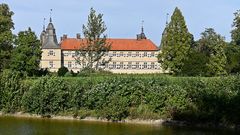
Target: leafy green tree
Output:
[(236, 29), (95, 46), (195, 65), (175, 44), (6, 36), (212, 45), (232, 53), (27, 54)]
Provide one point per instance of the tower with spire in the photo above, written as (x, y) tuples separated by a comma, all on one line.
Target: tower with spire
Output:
[(49, 37), (141, 35), (51, 50)]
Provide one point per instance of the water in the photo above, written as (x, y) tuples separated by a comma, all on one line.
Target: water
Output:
[(29, 126)]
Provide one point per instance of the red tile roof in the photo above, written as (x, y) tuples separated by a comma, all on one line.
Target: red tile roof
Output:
[(116, 44)]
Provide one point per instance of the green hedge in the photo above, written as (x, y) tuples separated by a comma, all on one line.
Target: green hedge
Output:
[(193, 99)]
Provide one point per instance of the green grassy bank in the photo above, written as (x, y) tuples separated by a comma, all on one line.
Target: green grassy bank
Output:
[(116, 97)]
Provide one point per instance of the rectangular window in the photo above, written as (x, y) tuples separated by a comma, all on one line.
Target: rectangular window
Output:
[(114, 65), (121, 65), (73, 54), (145, 54), (152, 65), (134, 54), (137, 65), (129, 65), (114, 53), (137, 54), (65, 54), (121, 54), (129, 54), (118, 54), (70, 64), (76, 64), (51, 53), (145, 65), (50, 64), (152, 54)]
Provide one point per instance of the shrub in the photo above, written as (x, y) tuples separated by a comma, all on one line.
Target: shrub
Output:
[(47, 96), (11, 90), (62, 71)]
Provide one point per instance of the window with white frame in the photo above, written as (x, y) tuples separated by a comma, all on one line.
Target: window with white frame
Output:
[(137, 54), (137, 65), (114, 53), (145, 65), (152, 54), (114, 65), (121, 65), (121, 54), (51, 64), (70, 64), (129, 54), (129, 66), (145, 54), (152, 65), (51, 53)]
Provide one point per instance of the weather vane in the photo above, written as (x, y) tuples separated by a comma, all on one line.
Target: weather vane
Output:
[(142, 25), (167, 18), (50, 15), (44, 19)]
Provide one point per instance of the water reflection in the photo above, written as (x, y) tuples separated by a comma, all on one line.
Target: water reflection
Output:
[(27, 126)]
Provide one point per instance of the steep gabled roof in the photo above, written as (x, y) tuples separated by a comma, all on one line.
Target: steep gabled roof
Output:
[(116, 44)]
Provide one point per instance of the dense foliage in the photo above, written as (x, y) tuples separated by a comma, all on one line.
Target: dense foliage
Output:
[(236, 29), (26, 55), (6, 36), (62, 71), (115, 97), (212, 45)]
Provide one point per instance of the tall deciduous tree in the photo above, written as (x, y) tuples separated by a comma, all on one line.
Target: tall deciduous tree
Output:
[(6, 36), (236, 29), (212, 44), (232, 53), (94, 45), (176, 42), (27, 54)]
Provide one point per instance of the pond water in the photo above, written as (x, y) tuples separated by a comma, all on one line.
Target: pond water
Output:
[(30, 126)]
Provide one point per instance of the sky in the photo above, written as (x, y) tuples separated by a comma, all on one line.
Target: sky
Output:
[(123, 18)]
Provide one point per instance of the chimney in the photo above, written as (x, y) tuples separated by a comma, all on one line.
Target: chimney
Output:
[(64, 36), (78, 36), (61, 38)]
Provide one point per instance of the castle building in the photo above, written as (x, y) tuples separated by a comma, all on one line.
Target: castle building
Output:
[(126, 55)]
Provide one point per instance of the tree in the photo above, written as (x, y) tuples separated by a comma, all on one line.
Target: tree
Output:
[(6, 36), (27, 54), (235, 33), (212, 45), (195, 65), (175, 44), (232, 53), (94, 45)]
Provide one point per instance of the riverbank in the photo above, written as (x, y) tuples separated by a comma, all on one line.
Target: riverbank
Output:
[(93, 119), (156, 122), (187, 100)]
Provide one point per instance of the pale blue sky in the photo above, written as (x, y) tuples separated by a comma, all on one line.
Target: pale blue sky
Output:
[(123, 17)]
